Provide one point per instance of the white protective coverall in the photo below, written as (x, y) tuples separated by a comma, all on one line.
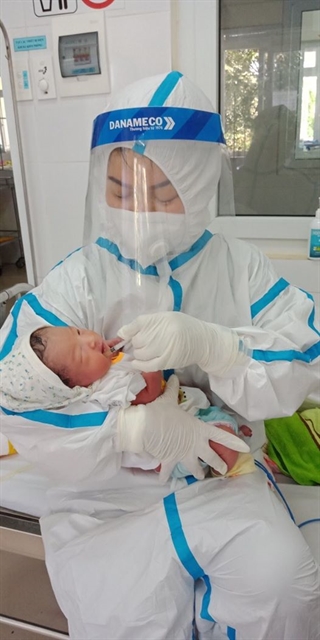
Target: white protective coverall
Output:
[(125, 554)]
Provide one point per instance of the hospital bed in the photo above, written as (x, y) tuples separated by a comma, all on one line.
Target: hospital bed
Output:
[(23, 501)]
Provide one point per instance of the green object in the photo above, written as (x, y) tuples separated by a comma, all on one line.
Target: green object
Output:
[(294, 445)]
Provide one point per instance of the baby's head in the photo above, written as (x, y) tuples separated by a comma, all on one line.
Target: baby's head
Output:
[(53, 367), (78, 357)]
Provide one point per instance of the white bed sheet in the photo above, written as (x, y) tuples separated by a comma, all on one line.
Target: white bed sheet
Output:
[(23, 488)]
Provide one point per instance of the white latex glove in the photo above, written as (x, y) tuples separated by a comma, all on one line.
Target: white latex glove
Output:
[(172, 340), (171, 435)]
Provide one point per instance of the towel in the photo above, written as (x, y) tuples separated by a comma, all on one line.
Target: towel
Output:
[(294, 445)]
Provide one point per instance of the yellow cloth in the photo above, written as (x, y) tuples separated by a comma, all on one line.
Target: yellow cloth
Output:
[(244, 464), (11, 448), (117, 357), (6, 448)]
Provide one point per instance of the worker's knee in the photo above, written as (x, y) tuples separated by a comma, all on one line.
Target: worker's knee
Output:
[(280, 565)]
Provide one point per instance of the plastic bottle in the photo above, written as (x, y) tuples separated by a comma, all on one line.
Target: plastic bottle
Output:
[(314, 237)]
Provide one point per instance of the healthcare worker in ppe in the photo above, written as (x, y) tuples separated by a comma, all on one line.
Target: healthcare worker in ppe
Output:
[(131, 557)]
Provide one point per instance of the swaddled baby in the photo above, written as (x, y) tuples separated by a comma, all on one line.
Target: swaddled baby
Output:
[(55, 366)]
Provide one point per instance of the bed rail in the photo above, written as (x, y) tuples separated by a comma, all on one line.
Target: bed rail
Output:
[(20, 533), (37, 629), (11, 292)]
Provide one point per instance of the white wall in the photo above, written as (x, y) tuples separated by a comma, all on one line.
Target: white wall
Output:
[(56, 133)]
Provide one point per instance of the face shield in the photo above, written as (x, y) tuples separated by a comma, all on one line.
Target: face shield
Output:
[(153, 172)]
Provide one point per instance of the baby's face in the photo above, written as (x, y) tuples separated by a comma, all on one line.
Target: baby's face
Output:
[(83, 355)]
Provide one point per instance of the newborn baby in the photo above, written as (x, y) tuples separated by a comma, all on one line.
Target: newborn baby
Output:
[(85, 365)]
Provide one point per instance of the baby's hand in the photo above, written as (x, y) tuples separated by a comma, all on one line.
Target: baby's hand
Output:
[(153, 389), (245, 430)]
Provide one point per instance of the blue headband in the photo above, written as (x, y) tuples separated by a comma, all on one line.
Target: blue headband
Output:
[(156, 123)]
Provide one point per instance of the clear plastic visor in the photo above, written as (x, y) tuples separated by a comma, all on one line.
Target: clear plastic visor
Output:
[(146, 210), (156, 205)]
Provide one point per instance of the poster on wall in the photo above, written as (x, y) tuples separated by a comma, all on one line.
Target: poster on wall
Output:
[(43, 8)]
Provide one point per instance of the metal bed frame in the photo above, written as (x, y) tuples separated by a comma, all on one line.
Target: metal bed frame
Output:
[(9, 236), (20, 533)]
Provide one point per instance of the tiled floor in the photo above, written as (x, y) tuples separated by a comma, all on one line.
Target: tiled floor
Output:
[(11, 275), (26, 593)]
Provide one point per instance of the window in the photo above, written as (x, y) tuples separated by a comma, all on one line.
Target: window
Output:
[(4, 136), (270, 104), (308, 132)]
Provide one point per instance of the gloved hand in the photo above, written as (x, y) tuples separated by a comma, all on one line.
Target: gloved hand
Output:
[(171, 435), (174, 340)]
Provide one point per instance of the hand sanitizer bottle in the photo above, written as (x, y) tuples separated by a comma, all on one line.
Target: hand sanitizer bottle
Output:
[(314, 237)]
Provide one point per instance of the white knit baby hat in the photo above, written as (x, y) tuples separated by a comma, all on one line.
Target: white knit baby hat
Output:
[(27, 384)]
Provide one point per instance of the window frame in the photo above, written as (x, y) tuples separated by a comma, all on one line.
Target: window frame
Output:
[(196, 52), (4, 134)]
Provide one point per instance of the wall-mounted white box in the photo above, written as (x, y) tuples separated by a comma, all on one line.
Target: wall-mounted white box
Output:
[(80, 55)]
